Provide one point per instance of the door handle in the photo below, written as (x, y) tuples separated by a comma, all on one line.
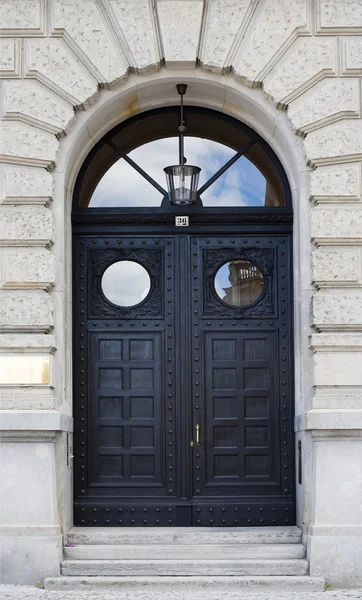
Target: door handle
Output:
[(197, 436), (196, 443)]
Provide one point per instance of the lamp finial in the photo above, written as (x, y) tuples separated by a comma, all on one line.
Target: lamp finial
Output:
[(181, 88)]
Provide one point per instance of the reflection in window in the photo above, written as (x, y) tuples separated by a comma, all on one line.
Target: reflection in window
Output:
[(125, 283), (241, 185), (122, 186), (239, 283)]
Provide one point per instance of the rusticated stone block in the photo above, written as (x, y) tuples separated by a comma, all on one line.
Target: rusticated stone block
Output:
[(36, 103), (276, 22), (27, 398), (336, 342), (303, 64), (21, 16), (337, 312), (330, 225), (34, 269), (26, 311), (221, 16), (52, 59), (137, 23), (337, 14), (18, 14), (324, 102), (342, 397), (180, 24), (331, 183), (26, 226), (351, 49), (27, 185), (30, 144), (91, 35), (336, 268), (32, 342), (9, 57), (338, 368), (337, 139)]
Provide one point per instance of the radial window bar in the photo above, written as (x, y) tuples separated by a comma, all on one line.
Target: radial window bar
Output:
[(158, 187)]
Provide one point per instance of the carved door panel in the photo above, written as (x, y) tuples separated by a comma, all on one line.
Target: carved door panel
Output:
[(242, 381), (200, 337), (126, 471)]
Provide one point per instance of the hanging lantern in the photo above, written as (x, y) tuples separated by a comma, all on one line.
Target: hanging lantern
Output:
[(182, 180)]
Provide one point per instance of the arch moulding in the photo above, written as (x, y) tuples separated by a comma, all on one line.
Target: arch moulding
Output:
[(62, 91)]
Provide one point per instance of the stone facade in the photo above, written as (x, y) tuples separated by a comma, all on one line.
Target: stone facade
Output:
[(71, 70)]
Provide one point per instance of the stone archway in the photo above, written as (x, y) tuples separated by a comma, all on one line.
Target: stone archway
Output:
[(127, 440), (222, 93), (295, 69)]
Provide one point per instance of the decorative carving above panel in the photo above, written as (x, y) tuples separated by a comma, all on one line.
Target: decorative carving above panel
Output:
[(214, 259), (151, 306), (157, 216)]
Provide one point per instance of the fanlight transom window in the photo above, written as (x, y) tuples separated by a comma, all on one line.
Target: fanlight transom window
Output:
[(125, 169)]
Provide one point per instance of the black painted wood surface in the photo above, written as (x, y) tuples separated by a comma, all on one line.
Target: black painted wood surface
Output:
[(145, 376)]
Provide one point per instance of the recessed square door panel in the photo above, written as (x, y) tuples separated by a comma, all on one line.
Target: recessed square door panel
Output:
[(129, 425), (234, 440)]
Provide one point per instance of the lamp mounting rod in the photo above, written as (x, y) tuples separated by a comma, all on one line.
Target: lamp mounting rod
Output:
[(182, 180), (181, 88)]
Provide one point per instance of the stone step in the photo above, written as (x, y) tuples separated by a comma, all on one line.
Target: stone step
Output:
[(188, 536), (182, 588), (178, 551), (176, 568)]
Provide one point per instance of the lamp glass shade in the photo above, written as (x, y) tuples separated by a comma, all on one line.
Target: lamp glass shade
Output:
[(182, 182)]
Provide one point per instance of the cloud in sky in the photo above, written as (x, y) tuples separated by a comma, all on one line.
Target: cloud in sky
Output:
[(126, 283), (241, 185)]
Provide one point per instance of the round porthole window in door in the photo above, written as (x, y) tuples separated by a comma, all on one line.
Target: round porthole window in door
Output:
[(126, 283), (239, 283)]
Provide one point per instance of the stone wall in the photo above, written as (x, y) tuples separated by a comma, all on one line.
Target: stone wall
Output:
[(72, 69)]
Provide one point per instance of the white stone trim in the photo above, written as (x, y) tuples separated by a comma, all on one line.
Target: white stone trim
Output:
[(331, 342), (328, 530), (34, 421), (29, 531), (330, 420), (36, 344)]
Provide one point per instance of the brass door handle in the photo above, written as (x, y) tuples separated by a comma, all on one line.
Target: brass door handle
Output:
[(196, 443), (197, 429)]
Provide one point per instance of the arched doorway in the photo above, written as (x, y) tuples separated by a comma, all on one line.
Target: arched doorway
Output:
[(183, 353)]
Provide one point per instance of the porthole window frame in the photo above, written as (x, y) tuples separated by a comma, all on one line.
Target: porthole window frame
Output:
[(242, 306), (122, 306)]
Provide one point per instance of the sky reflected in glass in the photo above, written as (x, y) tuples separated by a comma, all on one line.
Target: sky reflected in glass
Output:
[(126, 283), (241, 185)]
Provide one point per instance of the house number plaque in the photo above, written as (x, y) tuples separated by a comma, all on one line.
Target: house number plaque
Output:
[(182, 221)]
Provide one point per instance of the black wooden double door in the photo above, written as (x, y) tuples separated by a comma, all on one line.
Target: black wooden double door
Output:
[(183, 402)]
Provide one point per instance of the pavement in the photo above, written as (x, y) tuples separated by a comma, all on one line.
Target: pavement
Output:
[(24, 592)]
